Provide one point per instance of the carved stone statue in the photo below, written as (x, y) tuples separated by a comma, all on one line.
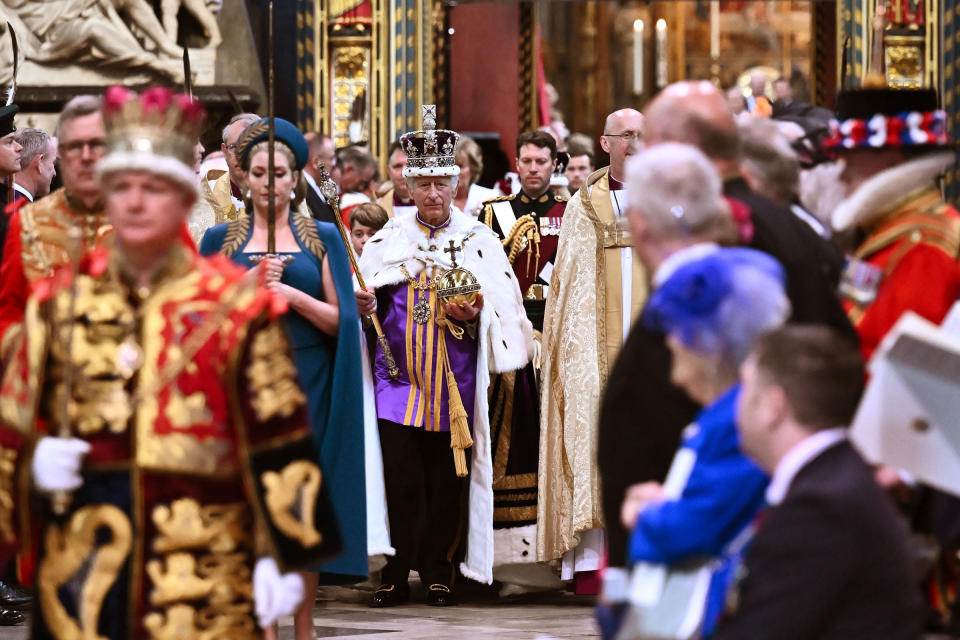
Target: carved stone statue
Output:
[(200, 11), (91, 33)]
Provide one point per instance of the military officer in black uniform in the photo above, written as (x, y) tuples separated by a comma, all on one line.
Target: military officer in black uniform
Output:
[(528, 222)]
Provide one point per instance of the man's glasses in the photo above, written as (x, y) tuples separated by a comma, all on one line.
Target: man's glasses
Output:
[(75, 148), (629, 136), (232, 148)]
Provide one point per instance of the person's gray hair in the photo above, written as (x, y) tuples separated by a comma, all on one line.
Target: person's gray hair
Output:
[(77, 107), (454, 181), (34, 143), (678, 192), (756, 304), (246, 118), (769, 159)]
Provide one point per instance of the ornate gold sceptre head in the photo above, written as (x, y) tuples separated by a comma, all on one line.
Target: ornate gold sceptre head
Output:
[(331, 194)]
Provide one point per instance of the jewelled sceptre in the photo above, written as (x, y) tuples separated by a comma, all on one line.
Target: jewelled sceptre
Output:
[(330, 192)]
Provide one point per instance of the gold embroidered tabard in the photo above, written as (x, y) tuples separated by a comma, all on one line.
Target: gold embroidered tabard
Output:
[(199, 571), (78, 555), (43, 232)]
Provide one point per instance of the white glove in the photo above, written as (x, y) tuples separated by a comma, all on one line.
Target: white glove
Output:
[(274, 595), (56, 463)]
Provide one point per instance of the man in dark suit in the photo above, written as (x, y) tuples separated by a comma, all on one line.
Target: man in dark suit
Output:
[(830, 559), (320, 152)]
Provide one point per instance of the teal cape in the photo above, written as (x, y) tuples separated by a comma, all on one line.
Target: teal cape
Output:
[(330, 373)]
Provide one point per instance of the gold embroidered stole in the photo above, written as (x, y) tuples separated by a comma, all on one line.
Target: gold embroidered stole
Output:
[(610, 240)]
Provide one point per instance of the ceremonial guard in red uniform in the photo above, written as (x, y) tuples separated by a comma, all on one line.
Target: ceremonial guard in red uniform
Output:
[(528, 224), (895, 146), (37, 242), (153, 404)]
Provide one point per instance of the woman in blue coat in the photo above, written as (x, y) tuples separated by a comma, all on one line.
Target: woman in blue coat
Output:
[(712, 309), (312, 272)]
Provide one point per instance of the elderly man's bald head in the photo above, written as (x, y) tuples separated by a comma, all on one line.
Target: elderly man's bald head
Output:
[(695, 113), (624, 118), (622, 133)]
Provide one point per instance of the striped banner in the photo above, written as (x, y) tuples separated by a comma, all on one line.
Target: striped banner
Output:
[(306, 61), (950, 16)]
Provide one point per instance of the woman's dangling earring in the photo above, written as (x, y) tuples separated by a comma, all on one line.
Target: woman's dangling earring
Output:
[(293, 195), (246, 194)]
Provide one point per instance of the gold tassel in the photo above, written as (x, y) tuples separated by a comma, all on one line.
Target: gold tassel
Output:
[(459, 428), (460, 438)]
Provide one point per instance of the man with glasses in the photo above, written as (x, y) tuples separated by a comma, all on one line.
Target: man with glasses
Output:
[(596, 290), (226, 196), (39, 243)]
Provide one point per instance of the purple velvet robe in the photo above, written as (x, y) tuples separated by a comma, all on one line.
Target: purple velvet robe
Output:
[(418, 397)]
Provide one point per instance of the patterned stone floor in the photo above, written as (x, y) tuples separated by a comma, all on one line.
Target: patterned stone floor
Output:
[(343, 613)]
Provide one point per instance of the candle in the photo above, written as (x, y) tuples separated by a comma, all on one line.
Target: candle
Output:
[(715, 29), (637, 57), (661, 52)]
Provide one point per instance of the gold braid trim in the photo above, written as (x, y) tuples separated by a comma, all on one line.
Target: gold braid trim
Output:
[(237, 233), (306, 230), (524, 233)]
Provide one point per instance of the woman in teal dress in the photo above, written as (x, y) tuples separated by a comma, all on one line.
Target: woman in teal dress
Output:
[(312, 273)]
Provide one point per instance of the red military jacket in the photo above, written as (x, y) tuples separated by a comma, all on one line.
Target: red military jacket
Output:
[(201, 460), (907, 262), (36, 246)]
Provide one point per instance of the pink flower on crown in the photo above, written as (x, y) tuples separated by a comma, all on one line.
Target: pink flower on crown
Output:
[(115, 97), (193, 111), (155, 99)]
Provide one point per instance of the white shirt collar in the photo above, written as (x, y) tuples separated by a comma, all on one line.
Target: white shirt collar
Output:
[(681, 257), (797, 458), (313, 185), (18, 187)]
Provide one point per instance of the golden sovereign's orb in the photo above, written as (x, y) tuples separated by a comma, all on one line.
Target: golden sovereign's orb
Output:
[(458, 286)]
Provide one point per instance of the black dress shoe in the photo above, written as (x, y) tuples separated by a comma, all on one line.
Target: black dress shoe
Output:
[(440, 595), (389, 595), (13, 597), (9, 618)]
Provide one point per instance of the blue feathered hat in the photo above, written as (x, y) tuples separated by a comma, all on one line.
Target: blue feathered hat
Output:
[(728, 291), (285, 132)]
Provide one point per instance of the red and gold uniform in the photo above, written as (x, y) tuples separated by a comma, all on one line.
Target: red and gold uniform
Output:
[(36, 246), (914, 250), (530, 231), (201, 460)]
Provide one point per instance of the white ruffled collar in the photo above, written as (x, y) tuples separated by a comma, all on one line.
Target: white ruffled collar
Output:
[(888, 190)]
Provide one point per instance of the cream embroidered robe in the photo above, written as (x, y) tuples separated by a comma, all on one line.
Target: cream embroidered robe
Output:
[(588, 313)]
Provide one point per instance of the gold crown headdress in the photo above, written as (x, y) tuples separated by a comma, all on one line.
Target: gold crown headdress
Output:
[(430, 151), (155, 131)]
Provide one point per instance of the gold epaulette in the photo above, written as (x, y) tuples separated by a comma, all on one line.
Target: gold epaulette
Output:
[(930, 228), (500, 199), (561, 199)]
